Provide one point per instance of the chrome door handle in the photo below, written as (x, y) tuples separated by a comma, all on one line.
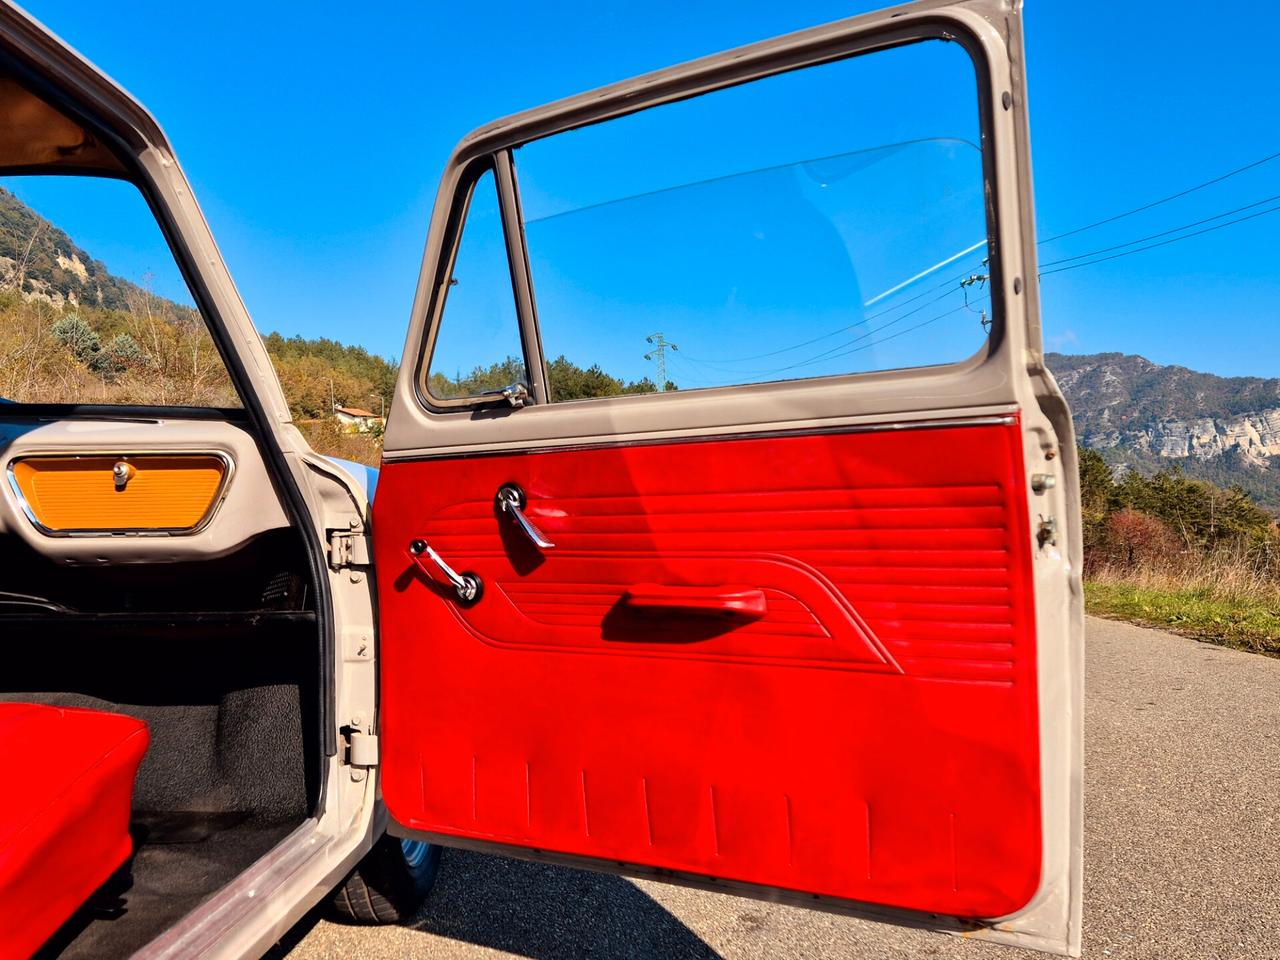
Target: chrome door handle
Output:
[(511, 501), (515, 395), (468, 586)]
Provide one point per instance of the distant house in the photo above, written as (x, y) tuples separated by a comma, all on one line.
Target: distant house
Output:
[(355, 420)]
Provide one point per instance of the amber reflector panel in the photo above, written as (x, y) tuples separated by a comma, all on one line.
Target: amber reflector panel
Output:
[(67, 494)]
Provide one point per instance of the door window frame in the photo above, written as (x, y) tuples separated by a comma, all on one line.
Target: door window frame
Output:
[(500, 166), (491, 147)]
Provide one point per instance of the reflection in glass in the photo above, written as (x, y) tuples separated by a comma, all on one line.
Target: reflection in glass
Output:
[(823, 221), (827, 266)]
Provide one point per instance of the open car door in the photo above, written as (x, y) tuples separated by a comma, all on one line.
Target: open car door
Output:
[(727, 528)]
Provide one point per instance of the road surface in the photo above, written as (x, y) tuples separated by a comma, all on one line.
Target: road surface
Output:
[(1182, 848)]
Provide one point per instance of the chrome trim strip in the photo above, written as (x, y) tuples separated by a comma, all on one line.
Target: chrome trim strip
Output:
[(219, 495), (246, 896), (553, 447)]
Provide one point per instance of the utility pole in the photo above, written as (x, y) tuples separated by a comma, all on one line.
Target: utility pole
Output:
[(659, 356)]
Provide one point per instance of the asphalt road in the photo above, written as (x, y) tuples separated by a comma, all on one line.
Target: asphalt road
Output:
[(1182, 852)]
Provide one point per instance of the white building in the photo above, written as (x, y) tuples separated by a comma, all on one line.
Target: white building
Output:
[(355, 420)]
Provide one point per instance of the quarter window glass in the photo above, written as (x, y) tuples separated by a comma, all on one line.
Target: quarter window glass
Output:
[(93, 308), (477, 349), (825, 221)]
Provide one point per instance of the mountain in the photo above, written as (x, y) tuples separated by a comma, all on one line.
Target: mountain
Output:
[(1147, 417), (41, 261)]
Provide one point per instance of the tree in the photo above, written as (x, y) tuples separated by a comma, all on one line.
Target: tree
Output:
[(355, 362), (74, 333), (1204, 515), (1097, 499), (1097, 485), (306, 382), (1133, 538), (568, 381)]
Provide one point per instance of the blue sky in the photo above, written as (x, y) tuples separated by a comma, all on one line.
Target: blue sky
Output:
[(314, 136)]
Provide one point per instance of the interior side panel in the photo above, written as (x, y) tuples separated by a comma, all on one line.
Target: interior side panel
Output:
[(74, 512), (809, 660)]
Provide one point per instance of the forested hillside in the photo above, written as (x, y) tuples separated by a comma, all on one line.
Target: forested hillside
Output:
[(310, 368)]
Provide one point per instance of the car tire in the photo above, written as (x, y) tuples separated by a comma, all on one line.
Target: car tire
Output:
[(389, 884)]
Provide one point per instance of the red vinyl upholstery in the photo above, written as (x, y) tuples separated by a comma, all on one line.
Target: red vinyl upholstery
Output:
[(803, 661), (64, 813)]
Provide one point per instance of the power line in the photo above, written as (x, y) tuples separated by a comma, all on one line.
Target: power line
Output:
[(1069, 264), (844, 349), (892, 336), (1156, 203), (1163, 233), (985, 241), (837, 350), (845, 328), (856, 345), (841, 350), (1162, 243)]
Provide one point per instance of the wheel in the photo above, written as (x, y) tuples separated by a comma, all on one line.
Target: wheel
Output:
[(389, 884)]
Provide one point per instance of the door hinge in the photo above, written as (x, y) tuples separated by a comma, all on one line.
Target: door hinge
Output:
[(362, 748), (348, 549)]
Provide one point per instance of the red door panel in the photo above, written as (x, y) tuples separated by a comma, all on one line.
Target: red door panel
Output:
[(802, 661)]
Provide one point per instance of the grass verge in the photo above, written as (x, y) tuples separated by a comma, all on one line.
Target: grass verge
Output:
[(1231, 618)]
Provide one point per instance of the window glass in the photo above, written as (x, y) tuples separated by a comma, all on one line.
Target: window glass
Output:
[(93, 308), (825, 221), (477, 349)]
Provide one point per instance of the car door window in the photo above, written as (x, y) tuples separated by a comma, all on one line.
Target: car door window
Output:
[(477, 350), (820, 222)]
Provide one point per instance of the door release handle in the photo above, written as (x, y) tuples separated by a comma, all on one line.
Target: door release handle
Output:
[(732, 603), (511, 501), (468, 586)]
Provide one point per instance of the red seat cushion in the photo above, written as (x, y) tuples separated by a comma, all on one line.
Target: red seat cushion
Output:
[(64, 813)]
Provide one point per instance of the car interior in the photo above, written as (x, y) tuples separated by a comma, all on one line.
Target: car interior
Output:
[(163, 678)]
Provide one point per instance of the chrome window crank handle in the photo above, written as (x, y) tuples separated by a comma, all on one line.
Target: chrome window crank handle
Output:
[(511, 501), (468, 586)]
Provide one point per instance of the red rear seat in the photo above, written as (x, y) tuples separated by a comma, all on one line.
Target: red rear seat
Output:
[(64, 813)]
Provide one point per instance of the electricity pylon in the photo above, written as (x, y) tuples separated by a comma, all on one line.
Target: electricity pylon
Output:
[(659, 356)]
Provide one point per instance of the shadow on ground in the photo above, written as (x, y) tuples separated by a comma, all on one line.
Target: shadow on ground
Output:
[(542, 911), (539, 911)]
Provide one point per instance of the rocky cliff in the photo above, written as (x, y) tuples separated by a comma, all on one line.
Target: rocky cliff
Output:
[(1145, 416), (1255, 435)]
